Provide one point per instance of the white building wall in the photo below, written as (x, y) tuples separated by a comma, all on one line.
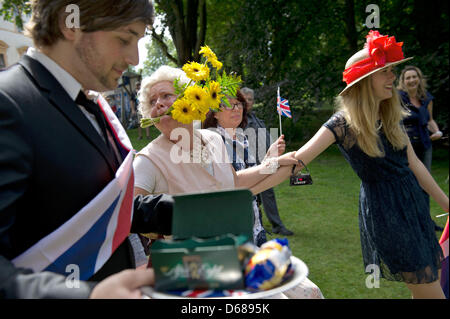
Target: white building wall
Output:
[(15, 40)]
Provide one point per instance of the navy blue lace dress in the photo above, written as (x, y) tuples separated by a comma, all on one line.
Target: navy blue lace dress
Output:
[(396, 230)]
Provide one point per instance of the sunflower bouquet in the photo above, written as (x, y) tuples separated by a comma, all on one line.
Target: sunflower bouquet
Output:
[(205, 91)]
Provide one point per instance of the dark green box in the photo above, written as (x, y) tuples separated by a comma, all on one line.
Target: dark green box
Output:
[(207, 228), (197, 264), (206, 215)]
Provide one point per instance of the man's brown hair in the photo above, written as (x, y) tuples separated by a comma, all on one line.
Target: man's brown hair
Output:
[(95, 15)]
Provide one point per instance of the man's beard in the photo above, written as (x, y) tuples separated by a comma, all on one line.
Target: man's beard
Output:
[(86, 51)]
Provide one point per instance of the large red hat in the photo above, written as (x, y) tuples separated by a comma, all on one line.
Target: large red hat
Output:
[(380, 52)]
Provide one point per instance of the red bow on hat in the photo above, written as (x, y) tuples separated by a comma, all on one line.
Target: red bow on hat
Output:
[(382, 49)]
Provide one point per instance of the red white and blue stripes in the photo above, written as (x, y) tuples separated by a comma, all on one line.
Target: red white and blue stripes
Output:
[(283, 106), (89, 238)]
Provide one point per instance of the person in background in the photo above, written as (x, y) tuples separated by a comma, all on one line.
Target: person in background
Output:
[(419, 102), (267, 197), (229, 123), (419, 122), (136, 114)]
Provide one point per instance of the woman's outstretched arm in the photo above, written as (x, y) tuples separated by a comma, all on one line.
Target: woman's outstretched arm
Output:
[(316, 145), (425, 179)]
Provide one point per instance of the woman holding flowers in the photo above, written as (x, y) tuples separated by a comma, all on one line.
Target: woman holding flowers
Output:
[(183, 159), (397, 233)]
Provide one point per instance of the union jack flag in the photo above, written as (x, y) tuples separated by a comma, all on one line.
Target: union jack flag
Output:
[(203, 293), (444, 272), (283, 106)]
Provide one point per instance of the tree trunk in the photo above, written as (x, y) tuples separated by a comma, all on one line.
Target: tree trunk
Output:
[(188, 30), (350, 27)]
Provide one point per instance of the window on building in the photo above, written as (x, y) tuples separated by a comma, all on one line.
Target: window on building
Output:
[(2, 61), (3, 48)]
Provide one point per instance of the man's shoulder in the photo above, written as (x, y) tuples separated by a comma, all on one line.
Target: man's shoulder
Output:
[(11, 77), (254, 121), (17, 81), (22, 98), (14, 87)]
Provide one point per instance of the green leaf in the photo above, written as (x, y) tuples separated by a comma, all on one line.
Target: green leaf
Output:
[(226, 102), (229, 83)]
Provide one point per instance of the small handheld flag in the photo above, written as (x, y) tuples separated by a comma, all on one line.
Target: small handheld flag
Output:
[(282, 108)]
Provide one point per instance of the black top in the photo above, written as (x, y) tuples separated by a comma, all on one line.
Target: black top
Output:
[(417, 121)]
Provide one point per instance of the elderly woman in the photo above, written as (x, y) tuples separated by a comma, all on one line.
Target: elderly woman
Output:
[(183, 159), (159, 168)]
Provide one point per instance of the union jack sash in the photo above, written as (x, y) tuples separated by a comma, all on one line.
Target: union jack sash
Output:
[(444, 272), (90, 237)]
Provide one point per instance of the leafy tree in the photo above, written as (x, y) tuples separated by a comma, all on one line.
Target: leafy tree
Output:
[(156, 57), (287, 44), (299, 45), (302, 46), (12, 10), (186, 21)]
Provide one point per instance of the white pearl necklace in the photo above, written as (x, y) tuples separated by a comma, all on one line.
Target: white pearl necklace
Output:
[(200, 154)]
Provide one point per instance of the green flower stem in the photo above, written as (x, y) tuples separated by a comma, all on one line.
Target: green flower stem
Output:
[(149, 121)]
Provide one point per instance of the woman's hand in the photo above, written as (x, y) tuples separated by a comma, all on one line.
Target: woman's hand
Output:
[(287, 159), (277, 148), (435, 136)]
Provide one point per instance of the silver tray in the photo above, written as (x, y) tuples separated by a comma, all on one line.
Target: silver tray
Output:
[(300, 274)]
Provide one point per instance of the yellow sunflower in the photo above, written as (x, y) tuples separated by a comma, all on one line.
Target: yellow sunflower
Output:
[(200, 115), (207, 53), (183, 111), (196, 71), (197, 97), (214, 94), (216, 63)]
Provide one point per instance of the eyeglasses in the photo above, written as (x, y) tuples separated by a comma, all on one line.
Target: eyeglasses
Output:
[(238, 106)]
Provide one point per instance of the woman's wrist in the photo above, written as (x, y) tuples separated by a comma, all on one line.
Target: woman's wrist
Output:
[(270, 165), (436, 135)]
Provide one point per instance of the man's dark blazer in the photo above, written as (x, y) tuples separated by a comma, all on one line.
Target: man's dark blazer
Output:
[(52, 163)]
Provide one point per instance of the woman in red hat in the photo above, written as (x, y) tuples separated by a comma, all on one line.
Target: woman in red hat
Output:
[(397, 233)]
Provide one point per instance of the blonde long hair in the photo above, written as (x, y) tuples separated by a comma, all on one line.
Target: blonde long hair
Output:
[(362, 114)]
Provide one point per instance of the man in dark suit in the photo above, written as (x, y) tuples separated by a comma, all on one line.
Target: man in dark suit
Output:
[(57, 152)]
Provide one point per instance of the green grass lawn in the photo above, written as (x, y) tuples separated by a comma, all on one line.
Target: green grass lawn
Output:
[(324, 218)]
